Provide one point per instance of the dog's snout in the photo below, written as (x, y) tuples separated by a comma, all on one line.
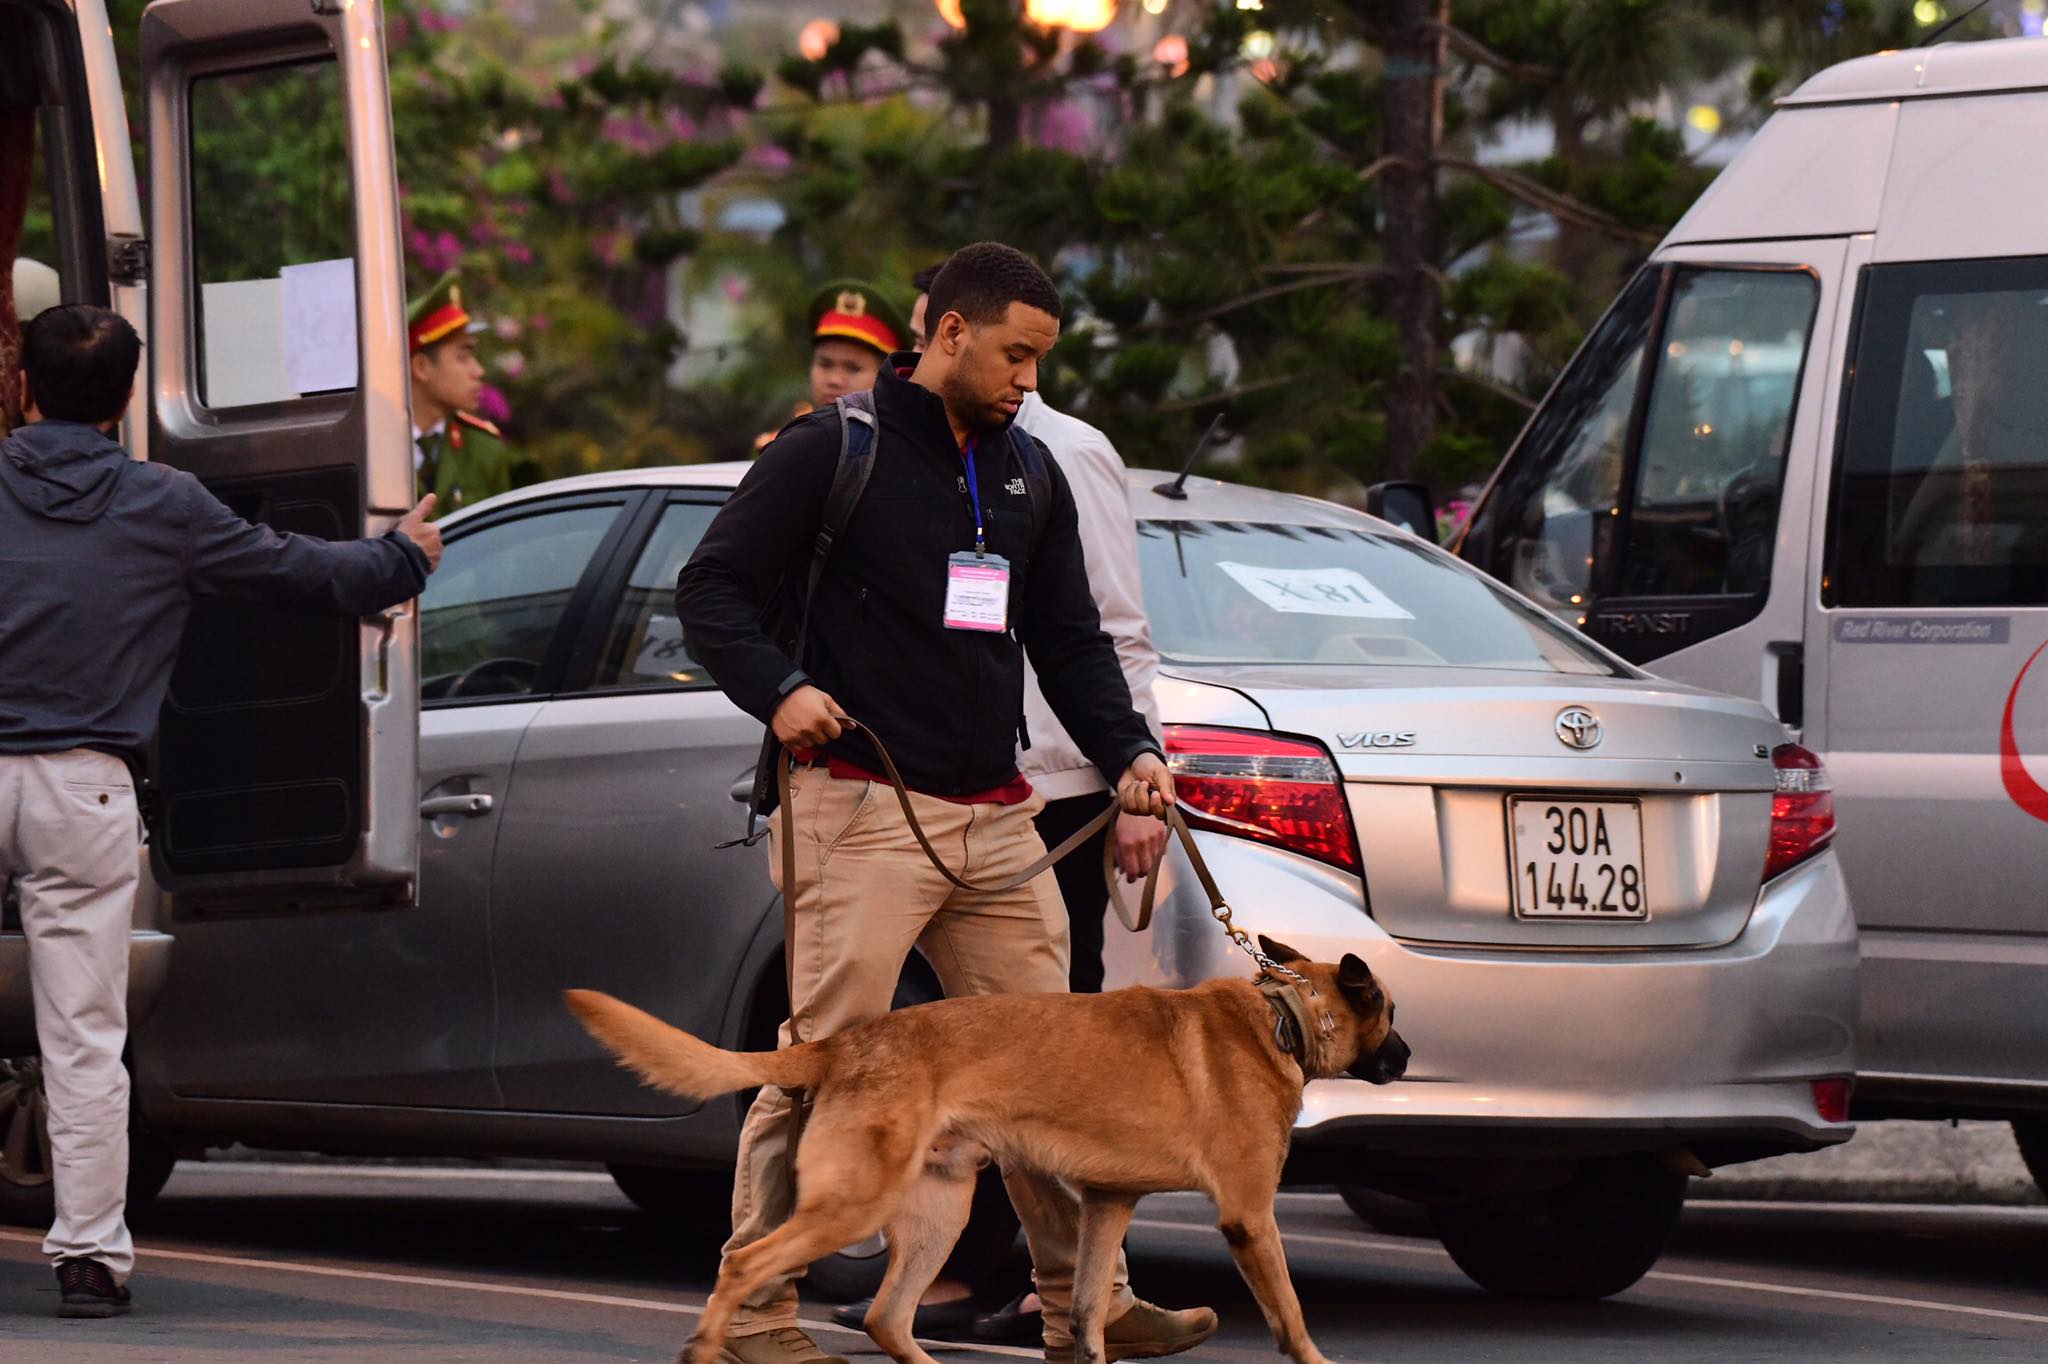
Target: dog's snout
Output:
[(1394, 1055), (1387, 1064)]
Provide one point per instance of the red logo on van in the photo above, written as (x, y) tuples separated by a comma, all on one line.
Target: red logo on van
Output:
[(2026, 793)]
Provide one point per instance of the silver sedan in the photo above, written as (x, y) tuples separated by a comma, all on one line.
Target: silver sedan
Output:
[(1605, 904)]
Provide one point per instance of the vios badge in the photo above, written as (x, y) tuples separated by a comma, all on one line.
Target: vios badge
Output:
[(1378, 738), (1578, 727)]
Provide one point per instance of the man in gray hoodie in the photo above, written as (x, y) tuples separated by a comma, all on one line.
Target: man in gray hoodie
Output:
[(100, 558)]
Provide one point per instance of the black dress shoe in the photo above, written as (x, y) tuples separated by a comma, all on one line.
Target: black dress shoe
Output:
[(940, 1320), (88, 1289), (1011, 1324)]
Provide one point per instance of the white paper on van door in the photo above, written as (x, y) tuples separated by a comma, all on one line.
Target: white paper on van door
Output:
[(1315, 591)]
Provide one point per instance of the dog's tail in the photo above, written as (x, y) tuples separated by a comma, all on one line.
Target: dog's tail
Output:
[(670, 1059)]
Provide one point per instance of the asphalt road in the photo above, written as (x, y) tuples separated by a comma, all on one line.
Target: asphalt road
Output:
[(426, 1266)]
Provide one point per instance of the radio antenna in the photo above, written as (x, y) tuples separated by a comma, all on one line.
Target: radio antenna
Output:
[(1177, 489), (1935, 36)]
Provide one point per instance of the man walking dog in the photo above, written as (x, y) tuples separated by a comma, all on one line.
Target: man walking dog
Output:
[(960, 556), (100, 558)]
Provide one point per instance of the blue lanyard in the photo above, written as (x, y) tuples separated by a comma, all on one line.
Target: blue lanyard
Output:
[(974, 499)]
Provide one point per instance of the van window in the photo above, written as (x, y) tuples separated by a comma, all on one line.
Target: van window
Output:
[(1941, 487), (276, 303), (1550, 518), (1631, 490), (1705, 510)]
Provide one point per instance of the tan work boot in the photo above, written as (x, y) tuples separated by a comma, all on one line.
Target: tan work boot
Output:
[(783, 1345), (1144, 1332)]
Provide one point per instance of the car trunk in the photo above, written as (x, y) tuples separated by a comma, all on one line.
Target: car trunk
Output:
[(1653, 836)]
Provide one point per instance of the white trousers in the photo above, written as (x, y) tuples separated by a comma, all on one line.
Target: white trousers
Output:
[(69, 838)]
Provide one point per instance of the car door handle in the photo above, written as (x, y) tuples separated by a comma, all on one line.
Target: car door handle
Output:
[(741, 791), (476, 803)]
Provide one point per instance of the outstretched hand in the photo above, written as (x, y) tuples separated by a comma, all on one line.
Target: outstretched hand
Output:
[(422, 532)]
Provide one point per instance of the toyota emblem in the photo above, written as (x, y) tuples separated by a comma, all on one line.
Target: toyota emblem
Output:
[(1578, 727)]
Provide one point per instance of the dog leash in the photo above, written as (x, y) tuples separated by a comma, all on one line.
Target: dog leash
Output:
[(1219, 908)]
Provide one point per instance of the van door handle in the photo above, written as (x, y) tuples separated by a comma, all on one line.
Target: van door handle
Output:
[(741, 791), (475, 803)]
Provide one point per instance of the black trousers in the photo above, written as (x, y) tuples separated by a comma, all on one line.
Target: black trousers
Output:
[(982, 1258)]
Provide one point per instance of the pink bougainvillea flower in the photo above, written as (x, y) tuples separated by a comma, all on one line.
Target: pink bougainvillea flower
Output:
[(519, 253), (511, 364), (768, 157), (539, 322), (491, 404), (559, 188), (735, 287), (433, 21), (507, 329)]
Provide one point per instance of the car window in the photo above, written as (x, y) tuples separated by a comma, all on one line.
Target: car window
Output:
[(491, 610), (644, 646), (1704, 512), (1941, 490), (1234, 592), (1551, 517)]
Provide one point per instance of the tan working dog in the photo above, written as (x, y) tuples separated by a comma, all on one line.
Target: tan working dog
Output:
[(1122, 1094)]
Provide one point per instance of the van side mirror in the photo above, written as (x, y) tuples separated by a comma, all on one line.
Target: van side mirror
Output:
[(1407, 505)]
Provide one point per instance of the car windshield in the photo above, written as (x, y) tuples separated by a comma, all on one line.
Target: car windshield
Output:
[(1238, 592)]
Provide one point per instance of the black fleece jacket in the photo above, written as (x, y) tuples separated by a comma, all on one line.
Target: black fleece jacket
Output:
[(949, 703)]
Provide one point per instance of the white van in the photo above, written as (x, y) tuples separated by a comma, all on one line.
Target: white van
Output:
[(268, 284), (1805, 456)]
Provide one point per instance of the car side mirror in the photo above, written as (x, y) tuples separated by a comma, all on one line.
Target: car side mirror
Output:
[(1407, 505)]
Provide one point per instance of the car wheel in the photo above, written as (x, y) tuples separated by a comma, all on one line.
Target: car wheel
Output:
[(851, 1274), (1589, 1239), (27, 1194), (1384, 1213), (698, 1198), (2032, 1135)]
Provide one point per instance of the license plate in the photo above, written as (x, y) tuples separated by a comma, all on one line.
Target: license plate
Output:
[(1577, 859)]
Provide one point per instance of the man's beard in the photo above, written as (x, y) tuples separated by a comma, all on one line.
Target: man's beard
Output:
[(977, 413)]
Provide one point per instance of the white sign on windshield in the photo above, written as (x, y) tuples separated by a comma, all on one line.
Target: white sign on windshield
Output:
[(1315, 591)]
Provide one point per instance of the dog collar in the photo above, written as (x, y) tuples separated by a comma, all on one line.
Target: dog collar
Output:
[(1290, 1017)]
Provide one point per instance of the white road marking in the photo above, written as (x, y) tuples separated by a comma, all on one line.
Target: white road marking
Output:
[(681, 1309), (309, 1170), (1658, 1275), (1361, 1241)]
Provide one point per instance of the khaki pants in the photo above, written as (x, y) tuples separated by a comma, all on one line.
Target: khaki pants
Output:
[(865, 896), (68, 835)]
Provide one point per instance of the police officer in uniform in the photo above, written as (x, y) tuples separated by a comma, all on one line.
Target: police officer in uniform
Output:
[(854, 330), (459, 456)]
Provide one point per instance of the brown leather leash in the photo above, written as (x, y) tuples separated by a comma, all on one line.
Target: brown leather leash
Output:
[(1137, 922)]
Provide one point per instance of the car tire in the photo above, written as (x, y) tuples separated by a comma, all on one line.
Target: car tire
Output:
[(692, 1197), (851, 1274), (2032, 1136), (1385, 1213), (27, 1191), (1589, 1239)]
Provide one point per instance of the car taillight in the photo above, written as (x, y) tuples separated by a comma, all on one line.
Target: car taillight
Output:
[(1802, 809), (1831, 1098), (1264, 787)]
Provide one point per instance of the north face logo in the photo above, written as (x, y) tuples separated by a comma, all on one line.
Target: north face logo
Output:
[(1015, 487)]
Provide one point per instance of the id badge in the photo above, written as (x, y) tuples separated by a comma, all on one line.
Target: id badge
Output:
[(977, 592)]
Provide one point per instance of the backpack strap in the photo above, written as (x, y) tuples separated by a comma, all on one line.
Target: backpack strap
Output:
[(1037, 481), (858, 431)]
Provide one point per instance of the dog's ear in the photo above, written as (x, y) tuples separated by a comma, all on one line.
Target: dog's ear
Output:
[(1353, 974), (1279, 951)]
